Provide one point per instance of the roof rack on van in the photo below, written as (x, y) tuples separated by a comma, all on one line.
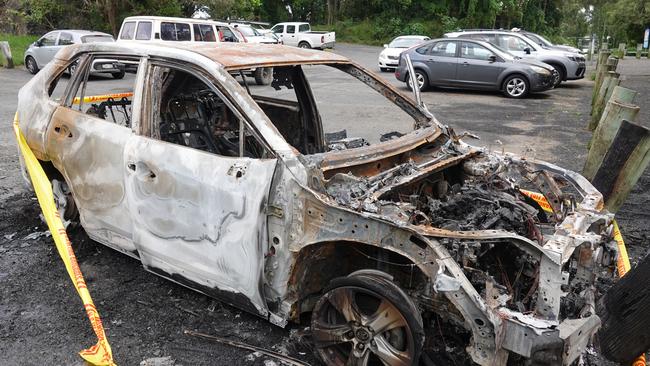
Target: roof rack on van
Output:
[(483, 30), (243, 21)]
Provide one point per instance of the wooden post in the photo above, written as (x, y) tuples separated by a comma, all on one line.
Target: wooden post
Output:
[(609, 83), (622, 48), (624, 311), (603, 137), (609, 64), (619, 94), (6, 52), (623, 164)]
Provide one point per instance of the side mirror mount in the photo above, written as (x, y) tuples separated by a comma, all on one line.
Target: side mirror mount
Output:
[(385, 45), (527, 50), (38, 43), (492, 58)]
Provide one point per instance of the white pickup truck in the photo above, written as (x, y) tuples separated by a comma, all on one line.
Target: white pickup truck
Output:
[(301, 35)]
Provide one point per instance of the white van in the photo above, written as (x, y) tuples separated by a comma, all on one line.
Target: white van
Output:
[(168, 29), (150, 28)]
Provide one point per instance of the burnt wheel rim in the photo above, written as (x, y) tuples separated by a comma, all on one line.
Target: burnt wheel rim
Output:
[(516, 87), (356, 326)]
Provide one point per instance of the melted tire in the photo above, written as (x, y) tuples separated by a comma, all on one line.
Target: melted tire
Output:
[(382, 289)]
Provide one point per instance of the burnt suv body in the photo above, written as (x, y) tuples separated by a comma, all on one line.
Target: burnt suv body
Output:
[(389, 245), (472, 64)]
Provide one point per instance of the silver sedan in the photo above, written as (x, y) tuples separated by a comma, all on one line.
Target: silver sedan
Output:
[(41, 52)]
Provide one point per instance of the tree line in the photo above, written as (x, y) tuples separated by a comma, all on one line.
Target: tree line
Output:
[(622, 20)]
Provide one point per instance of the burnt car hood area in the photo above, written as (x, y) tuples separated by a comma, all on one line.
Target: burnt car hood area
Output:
[(520, 277), (419, 240)]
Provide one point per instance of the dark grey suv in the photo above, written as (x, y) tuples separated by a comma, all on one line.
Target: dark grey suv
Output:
[(473, 64)]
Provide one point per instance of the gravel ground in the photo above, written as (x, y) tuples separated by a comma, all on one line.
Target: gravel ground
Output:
[(41, 320)]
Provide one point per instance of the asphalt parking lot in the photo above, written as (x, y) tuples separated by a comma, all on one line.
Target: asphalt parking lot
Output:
[(41, 318)]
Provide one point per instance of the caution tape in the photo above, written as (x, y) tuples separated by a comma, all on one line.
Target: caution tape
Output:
[(100, 354), (101, 98), (622, 262), (539, 198)]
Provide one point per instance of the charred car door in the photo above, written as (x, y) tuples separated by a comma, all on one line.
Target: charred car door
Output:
[(197, 182), (85, 139)]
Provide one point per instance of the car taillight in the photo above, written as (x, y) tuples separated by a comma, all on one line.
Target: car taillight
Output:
[(322, 39)]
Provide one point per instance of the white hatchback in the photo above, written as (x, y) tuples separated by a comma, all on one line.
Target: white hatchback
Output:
[(389, 57)]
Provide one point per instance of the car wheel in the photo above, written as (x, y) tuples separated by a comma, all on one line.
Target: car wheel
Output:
[(560, 75), (422, 79), (516, 86), (64, 202), (304, 45), (366, 319), (263, 75), (73, 68), (118, 75), (30, 65)]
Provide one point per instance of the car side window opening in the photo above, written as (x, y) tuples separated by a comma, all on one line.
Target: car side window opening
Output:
[(175, 31), (188, 112), (65, 39), (443, 49), (512, 43), (56, 89), (144, 31), (291, 29), (475, 51), (49, 39), (128, 30), (303, 28), (277, 29), (108, 101), (204, 33), (491, 38), (226, 35)]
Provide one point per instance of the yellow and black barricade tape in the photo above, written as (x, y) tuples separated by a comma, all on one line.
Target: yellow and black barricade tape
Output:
[(622, 262), (101, 98), (100, 354)]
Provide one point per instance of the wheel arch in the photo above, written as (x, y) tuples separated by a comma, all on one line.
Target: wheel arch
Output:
[(560, 65), (513, 73), (318, 263)]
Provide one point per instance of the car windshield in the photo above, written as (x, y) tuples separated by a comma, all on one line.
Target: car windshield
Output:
[(97, 38), (545, 41), (503, 53), (405, 42), (248, 31), (334, 118)]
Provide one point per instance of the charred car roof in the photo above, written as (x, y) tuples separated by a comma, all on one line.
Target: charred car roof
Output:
[(230, 56)]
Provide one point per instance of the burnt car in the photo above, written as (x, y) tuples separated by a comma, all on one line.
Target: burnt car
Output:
[(408, 245)]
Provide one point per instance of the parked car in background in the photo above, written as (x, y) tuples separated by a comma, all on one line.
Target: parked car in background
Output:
[(252, 35), (540, 40), (473, 64), (187, 30), (300, 35), (41, 52), (390, 54), (569, 65)]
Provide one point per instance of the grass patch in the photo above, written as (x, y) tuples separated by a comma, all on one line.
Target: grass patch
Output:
[(18, 46)]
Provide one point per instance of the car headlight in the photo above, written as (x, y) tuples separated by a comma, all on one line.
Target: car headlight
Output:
[(541, 70), (572, 57), (382, 55)]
